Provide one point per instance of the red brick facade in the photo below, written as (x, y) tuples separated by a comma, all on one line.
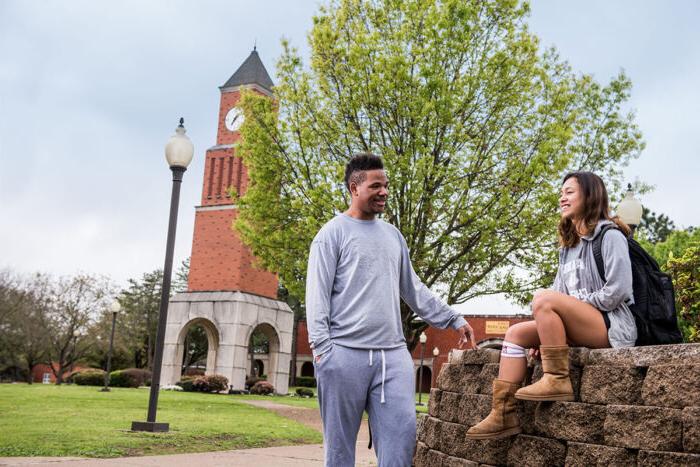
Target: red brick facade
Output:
[(220, 260)]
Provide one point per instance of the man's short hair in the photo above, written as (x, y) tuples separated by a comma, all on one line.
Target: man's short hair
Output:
[(358, 165)]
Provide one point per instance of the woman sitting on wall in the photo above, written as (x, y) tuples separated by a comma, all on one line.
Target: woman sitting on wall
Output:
[(580, 309)]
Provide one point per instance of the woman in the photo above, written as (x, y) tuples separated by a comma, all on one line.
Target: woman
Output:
[(580, 310)]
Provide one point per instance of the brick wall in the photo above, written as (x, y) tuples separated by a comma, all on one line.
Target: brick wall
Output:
[(637, 406)]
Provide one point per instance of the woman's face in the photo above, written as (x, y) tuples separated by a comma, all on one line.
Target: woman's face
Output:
[(571, 199)]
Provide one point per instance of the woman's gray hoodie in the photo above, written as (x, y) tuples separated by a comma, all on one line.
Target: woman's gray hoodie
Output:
[(578, 276)]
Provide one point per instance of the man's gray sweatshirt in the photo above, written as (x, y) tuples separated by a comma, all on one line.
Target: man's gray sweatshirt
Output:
[(358, 272), (578, 276)]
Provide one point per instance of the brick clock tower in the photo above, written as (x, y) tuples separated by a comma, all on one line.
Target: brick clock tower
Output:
[(220, 261), (227, 295)]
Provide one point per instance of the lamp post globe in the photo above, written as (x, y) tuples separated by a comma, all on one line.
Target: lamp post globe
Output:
[(178, 153), (630, 209), (115, 308), (179, 149), (436, 352)]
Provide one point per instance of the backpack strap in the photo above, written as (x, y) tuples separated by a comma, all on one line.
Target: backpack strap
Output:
[(597, 249)]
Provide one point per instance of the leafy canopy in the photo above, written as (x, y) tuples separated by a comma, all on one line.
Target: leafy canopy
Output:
[(476, 125)]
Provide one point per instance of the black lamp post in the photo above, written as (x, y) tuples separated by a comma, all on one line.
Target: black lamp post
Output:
[(630, 209), (178, 153), (423, 339), (115, 307)]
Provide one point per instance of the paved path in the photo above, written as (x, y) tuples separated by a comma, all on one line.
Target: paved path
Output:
[(309, 455)]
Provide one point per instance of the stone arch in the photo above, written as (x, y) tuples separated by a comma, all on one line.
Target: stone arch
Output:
[(213, 339), (492, 343), (426, 379), (271, 363), (307, 369)]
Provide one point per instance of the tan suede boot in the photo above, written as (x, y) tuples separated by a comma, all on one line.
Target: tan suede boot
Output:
[(503, 420), (555, 385)]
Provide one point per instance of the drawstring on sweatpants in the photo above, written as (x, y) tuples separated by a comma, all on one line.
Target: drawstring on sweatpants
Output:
[(371, 352)]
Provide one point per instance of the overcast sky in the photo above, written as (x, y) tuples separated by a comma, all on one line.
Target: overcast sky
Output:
[(91, 90)]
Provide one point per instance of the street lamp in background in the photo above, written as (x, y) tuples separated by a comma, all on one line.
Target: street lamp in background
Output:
[(114, 308), (76, 334), (630, 209), (423, 339), (178, 152)]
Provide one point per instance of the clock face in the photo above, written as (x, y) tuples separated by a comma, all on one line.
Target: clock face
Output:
[(234, 119)]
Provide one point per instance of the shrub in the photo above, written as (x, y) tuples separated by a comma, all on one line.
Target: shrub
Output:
[(250, 381), (129, 378), (217, 383), (200, 384), (306, 381), (262, 388), (305, 392), (187, 383), (89, 377)]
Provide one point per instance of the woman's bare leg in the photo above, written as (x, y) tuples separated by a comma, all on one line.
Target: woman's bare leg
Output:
[(561, 318), (525, 335)]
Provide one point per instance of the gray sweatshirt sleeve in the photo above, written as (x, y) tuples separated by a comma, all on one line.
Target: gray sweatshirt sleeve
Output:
[(319, 284), (618, 273), (421, 300), (558, 282)]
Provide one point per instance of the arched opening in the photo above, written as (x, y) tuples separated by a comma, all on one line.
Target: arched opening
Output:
[(263, 350), (307, 369), (198, 343), (492, 343), (423, 381)]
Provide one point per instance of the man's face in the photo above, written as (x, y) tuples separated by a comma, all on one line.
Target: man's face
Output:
[(370, 195)]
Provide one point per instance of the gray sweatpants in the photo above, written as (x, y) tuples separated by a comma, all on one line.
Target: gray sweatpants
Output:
[(351, 381)]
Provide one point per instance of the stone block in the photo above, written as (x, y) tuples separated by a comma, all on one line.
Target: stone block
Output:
[(594, 454), (475, 357), (531, 451), (691, 429), (672, 386), (450, 461), (526, 415), (646, 356), (652, 428), (472, 409), (459, 378), (202, 310), (492, 452), (571, 421), (616, 385), (420, 458), (450, 406), (434, 402), (430, 432), (452, 436), (578, 356), (659, 459), (489, 372)]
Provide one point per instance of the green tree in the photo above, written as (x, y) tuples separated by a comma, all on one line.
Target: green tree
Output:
[(675, 244), (685, 271), (476, 125), (655, 228)]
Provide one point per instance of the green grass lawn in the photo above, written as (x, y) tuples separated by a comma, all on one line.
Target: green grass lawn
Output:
[(68, 420)]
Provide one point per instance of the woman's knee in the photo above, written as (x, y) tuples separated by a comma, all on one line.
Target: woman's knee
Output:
[(542, 303), (518, 333)]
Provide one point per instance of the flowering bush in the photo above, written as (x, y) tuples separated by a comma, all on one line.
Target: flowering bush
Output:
[(262, 388)]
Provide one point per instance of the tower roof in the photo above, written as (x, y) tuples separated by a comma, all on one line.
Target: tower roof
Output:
[(252, 71)]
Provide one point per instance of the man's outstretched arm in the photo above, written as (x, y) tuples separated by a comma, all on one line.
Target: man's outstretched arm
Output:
[(429, 306)]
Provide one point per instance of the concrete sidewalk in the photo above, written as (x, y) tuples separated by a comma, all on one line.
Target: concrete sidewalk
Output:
[(308, 455)]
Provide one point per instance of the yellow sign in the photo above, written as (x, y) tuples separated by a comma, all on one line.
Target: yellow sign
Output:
[(497, 327)]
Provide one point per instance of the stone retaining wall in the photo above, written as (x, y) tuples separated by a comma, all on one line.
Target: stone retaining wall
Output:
[(636, 406)]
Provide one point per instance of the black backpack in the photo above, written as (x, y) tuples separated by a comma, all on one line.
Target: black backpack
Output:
[(654, 306)]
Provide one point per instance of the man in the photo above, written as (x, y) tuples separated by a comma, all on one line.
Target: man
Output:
[(359, 269)]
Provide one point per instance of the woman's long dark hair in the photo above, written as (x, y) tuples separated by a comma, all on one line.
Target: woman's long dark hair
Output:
[(596, 207)]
